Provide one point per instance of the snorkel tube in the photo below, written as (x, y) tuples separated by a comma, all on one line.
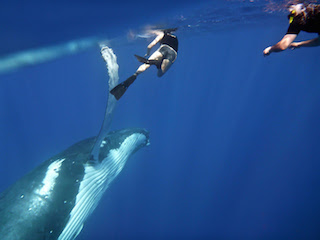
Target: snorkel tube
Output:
[(291, 16)]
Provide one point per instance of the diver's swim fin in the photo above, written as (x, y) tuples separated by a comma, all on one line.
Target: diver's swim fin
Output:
[(142, 59), (121, 88), (157, 63)]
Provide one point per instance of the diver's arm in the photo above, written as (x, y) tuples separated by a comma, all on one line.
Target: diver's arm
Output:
[(309, 43), (160, 35), (282, 45)]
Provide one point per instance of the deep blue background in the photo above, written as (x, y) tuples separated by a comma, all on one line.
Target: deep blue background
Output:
[(234, 136)]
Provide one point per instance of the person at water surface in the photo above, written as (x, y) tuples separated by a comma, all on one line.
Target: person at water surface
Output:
[(301, 18), (162, 58)]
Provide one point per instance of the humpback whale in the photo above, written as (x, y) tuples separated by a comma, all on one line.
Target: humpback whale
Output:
[(54, 200)]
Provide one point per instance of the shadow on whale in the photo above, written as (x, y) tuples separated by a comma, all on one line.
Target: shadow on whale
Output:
[(54, 200)]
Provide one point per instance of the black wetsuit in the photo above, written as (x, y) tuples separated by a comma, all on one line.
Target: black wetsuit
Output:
[(170, 40), (311, 24)]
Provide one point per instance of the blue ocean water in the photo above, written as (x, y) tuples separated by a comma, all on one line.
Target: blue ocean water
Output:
[(234, 136)]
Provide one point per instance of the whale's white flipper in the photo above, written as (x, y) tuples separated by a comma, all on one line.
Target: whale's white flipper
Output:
[(111, 62)]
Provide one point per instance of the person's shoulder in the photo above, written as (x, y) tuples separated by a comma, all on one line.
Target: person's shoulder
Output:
[(294, 27)]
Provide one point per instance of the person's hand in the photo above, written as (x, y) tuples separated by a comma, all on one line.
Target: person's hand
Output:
[(148, 52), (294, 45), (267, 52)]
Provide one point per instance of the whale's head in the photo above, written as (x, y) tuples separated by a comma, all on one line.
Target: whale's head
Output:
[(115, 150), (123, 143), (54, 200)]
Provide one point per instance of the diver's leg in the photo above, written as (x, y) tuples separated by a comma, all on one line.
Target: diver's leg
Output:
[(155, 59), (121, 88), (142, 68), (166, 64), (169, 57), (157, 55)]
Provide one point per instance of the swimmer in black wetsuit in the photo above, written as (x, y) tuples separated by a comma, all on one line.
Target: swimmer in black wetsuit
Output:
[(301, 18), (162, 58)]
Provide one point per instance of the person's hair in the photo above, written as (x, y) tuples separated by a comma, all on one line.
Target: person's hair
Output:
[(313, 8), (169, 30), (303, 12)]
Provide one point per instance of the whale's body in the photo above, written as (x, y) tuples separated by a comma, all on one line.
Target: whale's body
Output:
[(54, 200)]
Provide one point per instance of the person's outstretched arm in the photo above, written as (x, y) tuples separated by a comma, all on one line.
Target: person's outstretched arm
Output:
[(282, 45), (160, 35), (309, 43)]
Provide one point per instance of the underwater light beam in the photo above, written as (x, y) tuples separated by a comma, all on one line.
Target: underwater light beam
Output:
[(40, 55)]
